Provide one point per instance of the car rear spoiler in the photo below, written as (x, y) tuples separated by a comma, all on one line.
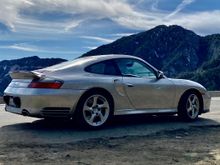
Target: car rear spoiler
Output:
[(24, 75)]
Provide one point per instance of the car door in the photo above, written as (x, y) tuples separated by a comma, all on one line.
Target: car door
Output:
[(143, 88), (108, 77)]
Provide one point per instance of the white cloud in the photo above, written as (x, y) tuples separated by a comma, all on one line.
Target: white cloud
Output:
[(91, 47), (201, 22), (99, 39), (27, 16), (16, 13), (31, 48), (122, 34), (154, 6), (21, 47), (72, 25), (180, 7)]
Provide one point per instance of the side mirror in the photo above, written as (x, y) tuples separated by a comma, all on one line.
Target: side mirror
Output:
[(160, 75)]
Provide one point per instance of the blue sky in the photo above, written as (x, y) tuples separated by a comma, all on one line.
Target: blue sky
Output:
[(69, 28)]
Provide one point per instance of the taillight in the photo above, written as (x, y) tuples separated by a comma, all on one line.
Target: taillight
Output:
[(50, 85)]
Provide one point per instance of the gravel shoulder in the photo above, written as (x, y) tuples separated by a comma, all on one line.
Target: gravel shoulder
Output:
[(129, 140), (197, 145)]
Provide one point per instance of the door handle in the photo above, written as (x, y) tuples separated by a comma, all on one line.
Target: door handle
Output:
[(129, 85)]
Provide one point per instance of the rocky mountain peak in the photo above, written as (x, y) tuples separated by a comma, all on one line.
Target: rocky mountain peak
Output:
[(173, 49)]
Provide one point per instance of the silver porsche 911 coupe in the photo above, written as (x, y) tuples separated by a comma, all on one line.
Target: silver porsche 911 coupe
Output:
[(93, 89)]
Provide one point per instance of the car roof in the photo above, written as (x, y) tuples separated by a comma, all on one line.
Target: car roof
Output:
[(107, 57), (82, 62)]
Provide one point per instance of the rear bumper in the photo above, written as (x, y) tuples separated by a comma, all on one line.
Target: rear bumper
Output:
[(13, 110), (42, 102), (206, 111), (47, 112)]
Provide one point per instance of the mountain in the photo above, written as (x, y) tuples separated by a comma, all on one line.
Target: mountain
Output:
[(27, 64), (179, 52)]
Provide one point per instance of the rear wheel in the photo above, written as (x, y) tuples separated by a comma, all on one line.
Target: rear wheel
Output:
[(189, 106), (95, 110)]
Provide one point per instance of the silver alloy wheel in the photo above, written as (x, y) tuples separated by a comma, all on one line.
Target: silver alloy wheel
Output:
[(96, 110), (193, 106)]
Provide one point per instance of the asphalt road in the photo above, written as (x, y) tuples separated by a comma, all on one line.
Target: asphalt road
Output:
[(15, 128)]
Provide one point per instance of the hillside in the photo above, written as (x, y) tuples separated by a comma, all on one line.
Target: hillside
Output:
[(29, 63), (179, 52), (176, 51)]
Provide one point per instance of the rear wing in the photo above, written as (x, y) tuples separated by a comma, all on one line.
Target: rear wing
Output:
[(24, 75)]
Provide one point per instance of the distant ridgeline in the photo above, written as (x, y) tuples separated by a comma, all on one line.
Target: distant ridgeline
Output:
[(29, 63), (180, 53)]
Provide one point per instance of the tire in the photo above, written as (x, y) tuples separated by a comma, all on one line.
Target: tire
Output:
[(95, 110), (189, 106)]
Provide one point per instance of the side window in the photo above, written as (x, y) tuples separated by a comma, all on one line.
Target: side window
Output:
[(96, 68), (135, 68), (105, 67)]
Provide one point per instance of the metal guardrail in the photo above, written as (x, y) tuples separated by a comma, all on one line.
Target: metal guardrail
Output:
[(1, 100), (211, 93), (214, 93)]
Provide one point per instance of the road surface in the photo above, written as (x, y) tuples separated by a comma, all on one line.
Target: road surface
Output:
[(15, 128)]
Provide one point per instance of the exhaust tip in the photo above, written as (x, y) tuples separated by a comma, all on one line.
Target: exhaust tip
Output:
[(25, 112)]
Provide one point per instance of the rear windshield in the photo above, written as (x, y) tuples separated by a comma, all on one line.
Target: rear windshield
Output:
[(69, 64)]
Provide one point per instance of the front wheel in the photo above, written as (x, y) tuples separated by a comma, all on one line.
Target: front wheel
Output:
[(95, 110), (189, 107)]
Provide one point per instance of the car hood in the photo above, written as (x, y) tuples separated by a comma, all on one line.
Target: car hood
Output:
[(188, 84)]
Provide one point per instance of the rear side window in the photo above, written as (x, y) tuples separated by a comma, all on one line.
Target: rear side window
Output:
[(104, 67)]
